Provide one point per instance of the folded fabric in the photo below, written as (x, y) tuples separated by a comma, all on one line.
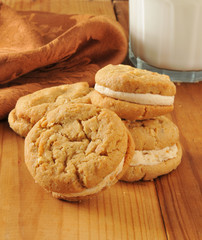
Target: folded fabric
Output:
[(39, 49)]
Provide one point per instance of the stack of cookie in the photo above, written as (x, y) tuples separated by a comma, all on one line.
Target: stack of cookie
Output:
[(73, 149), (140, 98), (80, 141)]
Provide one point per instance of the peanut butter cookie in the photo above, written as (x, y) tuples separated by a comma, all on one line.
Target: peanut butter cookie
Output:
[(133, 93), (32, 107), (77, 150), (157, 148)]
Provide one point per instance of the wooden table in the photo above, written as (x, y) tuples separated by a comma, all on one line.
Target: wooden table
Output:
[(167, 208)]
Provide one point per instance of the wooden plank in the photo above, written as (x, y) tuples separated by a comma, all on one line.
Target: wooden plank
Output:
[(180, 193), (121, 11), (9, 188), (65, 7)]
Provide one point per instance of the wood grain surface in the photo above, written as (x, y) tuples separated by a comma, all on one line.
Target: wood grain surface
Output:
[(167, 208)]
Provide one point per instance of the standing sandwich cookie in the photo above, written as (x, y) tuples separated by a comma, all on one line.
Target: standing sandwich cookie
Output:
[(133, 93), (78, 150), (32, 107), (157, 148)]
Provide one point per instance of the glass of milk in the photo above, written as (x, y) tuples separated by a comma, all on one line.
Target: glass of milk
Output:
[(166, 37)]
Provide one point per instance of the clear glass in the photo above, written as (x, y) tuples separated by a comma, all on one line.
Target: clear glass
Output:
[(166, 37)]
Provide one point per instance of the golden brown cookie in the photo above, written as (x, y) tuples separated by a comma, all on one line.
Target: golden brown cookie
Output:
[(77, 150), (31, 108), (133, 93), (157, 148)]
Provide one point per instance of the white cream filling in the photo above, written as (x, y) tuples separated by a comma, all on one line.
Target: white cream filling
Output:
[(152, 157), (141, 98), (105, 182)]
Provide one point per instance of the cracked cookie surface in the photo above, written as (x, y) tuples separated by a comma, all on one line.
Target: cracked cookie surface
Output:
[(32, 107), (154, 133), (75, 147)]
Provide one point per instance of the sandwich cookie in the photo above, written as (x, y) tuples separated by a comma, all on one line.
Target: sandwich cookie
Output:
[(78, 150), (157, 148), (133, 93), (32, 107)]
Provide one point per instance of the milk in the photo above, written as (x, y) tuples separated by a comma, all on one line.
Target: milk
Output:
[(167, 33)]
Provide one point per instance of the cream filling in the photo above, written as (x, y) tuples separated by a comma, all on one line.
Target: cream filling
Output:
[(153, 157), (141, 98), (105, 182)]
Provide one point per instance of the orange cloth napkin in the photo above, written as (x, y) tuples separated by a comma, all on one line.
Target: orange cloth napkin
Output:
[(39, 49)]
